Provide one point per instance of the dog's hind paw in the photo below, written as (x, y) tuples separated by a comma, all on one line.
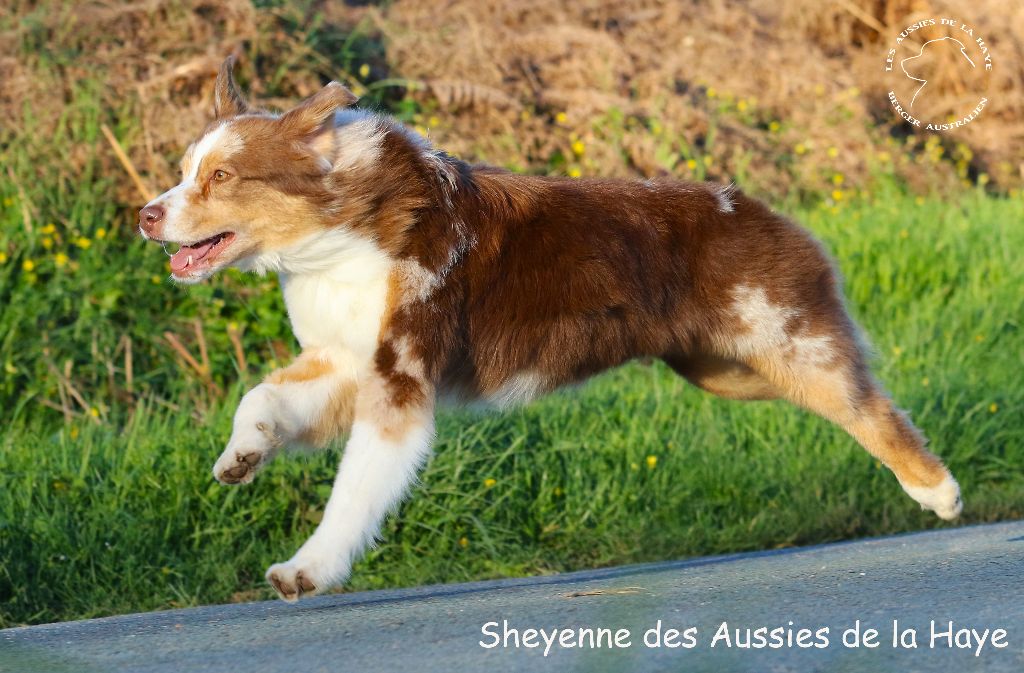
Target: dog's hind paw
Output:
[(943, 499)]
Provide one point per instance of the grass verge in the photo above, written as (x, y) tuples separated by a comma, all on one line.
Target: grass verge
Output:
[(117, 511)]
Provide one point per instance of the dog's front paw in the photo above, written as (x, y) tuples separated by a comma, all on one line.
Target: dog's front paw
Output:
[(237, 466), (245, 455), (291, 581)]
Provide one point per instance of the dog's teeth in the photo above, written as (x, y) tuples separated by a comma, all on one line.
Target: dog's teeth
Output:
[(189, 263)]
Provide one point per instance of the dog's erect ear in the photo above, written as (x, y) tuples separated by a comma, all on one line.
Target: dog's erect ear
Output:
[(312, 114), (227, 99)]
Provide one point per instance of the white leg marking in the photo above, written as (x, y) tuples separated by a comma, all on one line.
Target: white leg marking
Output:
[(943, 499), (374, 475), (766, 331), (765, 322), (254, 439), (269, 417)]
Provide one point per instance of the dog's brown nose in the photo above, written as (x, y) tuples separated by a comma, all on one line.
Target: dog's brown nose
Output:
[(150, 218)]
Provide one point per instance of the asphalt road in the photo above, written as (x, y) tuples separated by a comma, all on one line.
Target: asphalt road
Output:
[(970, 576)]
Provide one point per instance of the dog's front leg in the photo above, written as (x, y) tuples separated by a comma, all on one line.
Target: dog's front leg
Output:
[(390, 440), (310, 402)]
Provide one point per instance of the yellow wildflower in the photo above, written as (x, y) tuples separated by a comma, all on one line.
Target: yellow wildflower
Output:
[(463, 542), (433, 121), (708, 159), (28, 265), (652, 462), (156, 280), (364, 70), (574, 172), (691, 164), (832, 152), (578, 147), (60, 259), (83, 242), (47, 242), (925, 382), (561, 117), (94, 412), (8, 202), (800, 148), (979, 337), (558, 491), (741, 105), (48, 229), (837, 179), (3, 257), (993, 408), (101, 233), (837, 195), (711, 92), (74, 432), (904, 233), (897, 351), (774, 127), (490, 482)]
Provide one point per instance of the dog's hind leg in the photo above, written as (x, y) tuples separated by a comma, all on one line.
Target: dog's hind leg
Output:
[(723, 377), (309, 403), (834, 382), (801, 344)]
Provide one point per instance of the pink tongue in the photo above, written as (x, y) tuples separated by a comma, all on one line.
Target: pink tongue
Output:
[(179, 260)]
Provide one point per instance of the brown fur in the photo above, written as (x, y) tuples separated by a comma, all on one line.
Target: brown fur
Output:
[(568, 278)]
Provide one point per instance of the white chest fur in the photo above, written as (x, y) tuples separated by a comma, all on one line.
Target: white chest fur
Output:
[(339, 308)]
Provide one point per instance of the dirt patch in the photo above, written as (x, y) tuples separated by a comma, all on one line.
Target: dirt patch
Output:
[(788, 94), (788, 97)]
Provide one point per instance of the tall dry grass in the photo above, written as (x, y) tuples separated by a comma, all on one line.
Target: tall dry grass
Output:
[(784, 96), (702, 67)]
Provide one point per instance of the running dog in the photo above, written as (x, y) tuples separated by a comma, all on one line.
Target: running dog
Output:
[(410, 275)]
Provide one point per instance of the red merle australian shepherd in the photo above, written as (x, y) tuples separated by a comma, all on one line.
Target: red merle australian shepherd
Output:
[(410, 275)]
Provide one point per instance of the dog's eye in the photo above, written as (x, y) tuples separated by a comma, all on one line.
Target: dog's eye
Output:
[(219, 175)]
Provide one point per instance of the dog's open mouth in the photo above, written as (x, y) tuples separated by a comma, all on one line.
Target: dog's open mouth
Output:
[(200, 256)]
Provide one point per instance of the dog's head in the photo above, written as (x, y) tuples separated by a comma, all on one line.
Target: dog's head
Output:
[(252, 184)]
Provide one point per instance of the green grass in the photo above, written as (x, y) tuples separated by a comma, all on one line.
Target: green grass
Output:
[(119, 512)]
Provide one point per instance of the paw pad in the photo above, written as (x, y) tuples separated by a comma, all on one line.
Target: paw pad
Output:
[(290, 584), (245, 465)]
